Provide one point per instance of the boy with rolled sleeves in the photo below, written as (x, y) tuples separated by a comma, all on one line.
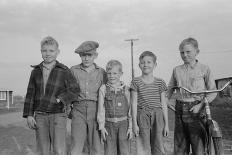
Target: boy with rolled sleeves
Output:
[(89, 77), (114, 115), (189, 121), (51, 89)]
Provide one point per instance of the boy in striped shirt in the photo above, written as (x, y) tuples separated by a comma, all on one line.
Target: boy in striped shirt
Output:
[(149, 108)]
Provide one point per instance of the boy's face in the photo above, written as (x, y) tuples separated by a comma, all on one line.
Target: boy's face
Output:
[(147, 64), (188, 53), (49, 53), (88, 59), (114, 75)]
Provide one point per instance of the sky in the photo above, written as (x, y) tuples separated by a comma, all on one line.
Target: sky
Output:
[(160, 26)]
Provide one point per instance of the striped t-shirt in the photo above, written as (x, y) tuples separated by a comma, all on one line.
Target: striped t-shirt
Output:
[(149, 95)]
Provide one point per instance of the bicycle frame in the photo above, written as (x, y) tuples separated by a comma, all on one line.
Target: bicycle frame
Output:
[(213, 128)]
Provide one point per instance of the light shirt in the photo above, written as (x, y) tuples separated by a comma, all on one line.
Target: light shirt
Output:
[(197, 77), (89, 82), (46, 72), (101, 107)]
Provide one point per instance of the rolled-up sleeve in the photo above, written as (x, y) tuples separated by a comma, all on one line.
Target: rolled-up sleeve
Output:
[(210, 85)]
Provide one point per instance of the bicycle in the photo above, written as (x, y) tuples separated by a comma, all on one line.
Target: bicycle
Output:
[(214, 133)]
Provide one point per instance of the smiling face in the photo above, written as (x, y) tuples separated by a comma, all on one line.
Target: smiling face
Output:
[(114, 74), (147, 64), (49, 53), (188, 53), (88, 59)]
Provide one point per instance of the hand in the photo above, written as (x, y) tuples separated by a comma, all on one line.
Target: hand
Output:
[(58, 100), (104, 133), (196, 108), (129, 133), (166, 131), (136, 130), (31, 122)]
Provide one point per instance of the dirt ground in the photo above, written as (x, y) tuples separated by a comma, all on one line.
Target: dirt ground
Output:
[(17, 139)]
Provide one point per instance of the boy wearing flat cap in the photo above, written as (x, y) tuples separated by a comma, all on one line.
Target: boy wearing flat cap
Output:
[(89, 77)]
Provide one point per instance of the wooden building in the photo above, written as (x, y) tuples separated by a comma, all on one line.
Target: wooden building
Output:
[(6, 98), (226, 92)]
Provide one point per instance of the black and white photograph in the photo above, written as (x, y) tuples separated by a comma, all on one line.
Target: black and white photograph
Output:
[(115, 77)]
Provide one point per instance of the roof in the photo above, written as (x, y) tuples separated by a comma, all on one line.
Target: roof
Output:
[(226, 78), (5, 89)]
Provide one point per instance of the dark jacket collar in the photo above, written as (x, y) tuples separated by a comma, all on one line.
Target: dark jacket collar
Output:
[(58, 64)]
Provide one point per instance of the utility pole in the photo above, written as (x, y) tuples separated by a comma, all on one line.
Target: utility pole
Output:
[(132, 60)]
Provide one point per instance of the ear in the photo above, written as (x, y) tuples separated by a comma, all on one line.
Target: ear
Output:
[(95, 55)]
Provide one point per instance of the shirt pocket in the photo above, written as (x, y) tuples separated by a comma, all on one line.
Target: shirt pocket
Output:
[(198, 82)]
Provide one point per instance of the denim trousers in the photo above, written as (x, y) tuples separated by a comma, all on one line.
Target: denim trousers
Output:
[(117, 142), (151, 126), (189, 131), (51, 133), (84, 127)]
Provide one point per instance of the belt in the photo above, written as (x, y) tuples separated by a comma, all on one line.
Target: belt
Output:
[(46, 113), (189, 103), (115, 119)]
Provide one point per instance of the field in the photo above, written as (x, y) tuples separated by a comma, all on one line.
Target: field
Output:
[(17, 139)]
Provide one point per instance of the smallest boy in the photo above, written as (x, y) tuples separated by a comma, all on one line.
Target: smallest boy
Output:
[(114, 116), (50, 89)]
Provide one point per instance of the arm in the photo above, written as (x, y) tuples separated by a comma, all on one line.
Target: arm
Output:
[(101, 112), (29, 100), (71, 90), (101, 108), (170, 91), (165, 113), (210, 85), (28, 111), (129, 130), (133, 97)]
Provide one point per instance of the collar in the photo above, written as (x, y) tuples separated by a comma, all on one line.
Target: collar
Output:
[(120, 87), (191, 66), (58, 64), (80, 66), (49, 67)]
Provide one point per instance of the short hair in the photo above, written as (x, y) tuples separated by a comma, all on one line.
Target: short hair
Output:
[(49, 41), (148, 53), (189, 41), (113, 63)]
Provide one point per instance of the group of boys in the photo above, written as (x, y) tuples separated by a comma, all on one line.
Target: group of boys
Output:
[(105, 112)]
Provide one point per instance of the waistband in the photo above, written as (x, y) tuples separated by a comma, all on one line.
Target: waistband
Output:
[(187, 102), (115, 119), (187, 99), (47, 113)]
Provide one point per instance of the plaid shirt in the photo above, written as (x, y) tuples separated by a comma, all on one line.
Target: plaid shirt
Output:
[(61, 84)]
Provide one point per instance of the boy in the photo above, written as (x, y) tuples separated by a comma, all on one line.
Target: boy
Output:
[(189, 126), (149, 108), (89, 77), (51, 88), (113, 115)]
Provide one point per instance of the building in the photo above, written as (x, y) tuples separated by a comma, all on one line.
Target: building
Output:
[(227, 92), (6, 98)]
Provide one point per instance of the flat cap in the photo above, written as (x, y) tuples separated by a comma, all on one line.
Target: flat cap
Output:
[(87, 47)]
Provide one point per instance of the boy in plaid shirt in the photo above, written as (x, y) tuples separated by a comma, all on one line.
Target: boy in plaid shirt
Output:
[(51, 89)]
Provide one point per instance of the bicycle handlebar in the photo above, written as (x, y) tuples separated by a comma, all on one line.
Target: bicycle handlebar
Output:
[(206, 91)]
